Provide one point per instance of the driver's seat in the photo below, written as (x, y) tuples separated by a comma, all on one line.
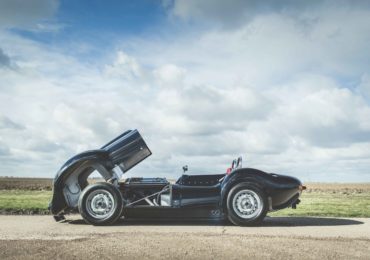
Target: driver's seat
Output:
[(236, 164)]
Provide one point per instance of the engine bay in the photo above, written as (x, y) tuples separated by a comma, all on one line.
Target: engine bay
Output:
[(140, 191)]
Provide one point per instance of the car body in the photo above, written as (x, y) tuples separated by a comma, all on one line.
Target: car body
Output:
[(242, 195)]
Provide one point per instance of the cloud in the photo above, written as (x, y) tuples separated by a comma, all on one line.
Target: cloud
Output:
[(124, 66), (231, 14), (330, 118), (170, 74), (26, 14), (291, 96), (7, 123), (364, 86), (4, 150), (4, 59)]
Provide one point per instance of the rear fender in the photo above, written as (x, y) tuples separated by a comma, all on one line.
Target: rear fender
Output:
[(261, 179), (230, 183), (279, 189)]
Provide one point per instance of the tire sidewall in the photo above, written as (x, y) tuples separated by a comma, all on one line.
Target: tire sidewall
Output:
[(116, 196), (233, 217)]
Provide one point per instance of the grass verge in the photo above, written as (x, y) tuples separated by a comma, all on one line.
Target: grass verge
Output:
[(24, 201), (327, 200), (339, 204)]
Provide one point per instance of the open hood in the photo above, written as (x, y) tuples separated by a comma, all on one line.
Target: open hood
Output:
[(127, 150)]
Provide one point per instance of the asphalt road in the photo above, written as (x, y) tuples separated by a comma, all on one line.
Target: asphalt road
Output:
[(39, 237)]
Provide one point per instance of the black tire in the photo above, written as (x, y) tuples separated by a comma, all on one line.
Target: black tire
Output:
[(234, 215), (103, 193)]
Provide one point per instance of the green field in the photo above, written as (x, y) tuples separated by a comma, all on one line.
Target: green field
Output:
[(24, 201), (331, 200), (330, 205)]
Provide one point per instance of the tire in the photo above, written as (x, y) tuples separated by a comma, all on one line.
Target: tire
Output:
[(100, 204), (246, 205)]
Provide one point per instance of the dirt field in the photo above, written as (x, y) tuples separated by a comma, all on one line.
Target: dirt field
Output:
[(14, 183), (344, 188), (9, 183), (39, 237)]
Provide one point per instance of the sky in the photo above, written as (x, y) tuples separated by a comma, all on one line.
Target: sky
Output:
[(285, 84)]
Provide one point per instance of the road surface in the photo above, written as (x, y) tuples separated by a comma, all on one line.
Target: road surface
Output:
[(39, 237)]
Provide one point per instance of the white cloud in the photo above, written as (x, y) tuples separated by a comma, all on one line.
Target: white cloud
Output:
[(124, 66), (170, 74)]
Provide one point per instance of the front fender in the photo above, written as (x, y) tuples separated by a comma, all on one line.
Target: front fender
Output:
[(71, 179)]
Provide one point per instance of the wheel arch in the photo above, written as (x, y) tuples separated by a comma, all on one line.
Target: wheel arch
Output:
[(71, 179), (242, 176)]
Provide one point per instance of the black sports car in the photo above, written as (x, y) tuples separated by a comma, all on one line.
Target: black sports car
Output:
[(242, 195)]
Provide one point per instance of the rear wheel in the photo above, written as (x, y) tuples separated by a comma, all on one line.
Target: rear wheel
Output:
[(100, 204), (246, 205)]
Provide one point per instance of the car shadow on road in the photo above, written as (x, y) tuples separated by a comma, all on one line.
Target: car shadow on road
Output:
[(308, 221), (268, 222)]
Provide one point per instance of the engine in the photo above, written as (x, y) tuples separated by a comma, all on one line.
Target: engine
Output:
[(145, 191)]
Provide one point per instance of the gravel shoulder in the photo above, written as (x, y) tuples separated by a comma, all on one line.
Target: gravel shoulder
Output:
[(279, 238)]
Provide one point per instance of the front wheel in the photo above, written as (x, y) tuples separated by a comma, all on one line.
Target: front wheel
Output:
[(100, 204), (246, 205)]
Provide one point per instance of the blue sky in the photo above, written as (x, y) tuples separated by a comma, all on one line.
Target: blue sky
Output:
[(285, 84), (98, 23)]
